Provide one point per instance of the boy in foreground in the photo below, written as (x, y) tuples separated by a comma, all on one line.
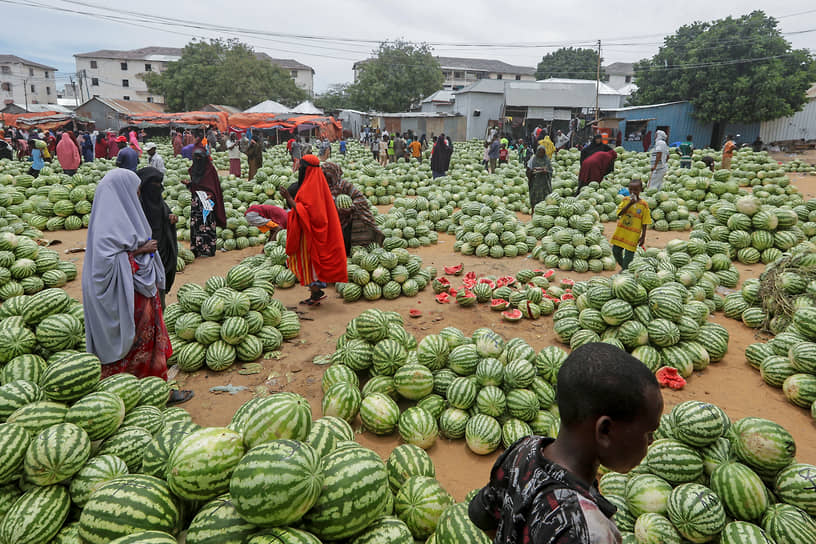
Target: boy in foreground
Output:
[(633, 217), (544, 490)]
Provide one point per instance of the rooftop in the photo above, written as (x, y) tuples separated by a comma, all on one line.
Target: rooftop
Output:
[(174, 53), (439, 96), (476, 65), (14, 59), (620, 68), (490, 86), (128, 106)]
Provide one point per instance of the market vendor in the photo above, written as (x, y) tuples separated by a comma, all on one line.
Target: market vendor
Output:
[(357, 222), (267, 218)]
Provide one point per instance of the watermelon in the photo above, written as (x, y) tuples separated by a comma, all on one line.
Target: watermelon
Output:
[(379, 413), (647, 493), (405, 461), (128, 443), (127, 505), (147, 417), (453, 423), (483, 434), (16, 394), (413, 381), (126, 386), (70, 377), (385, 530), (417, 426), (276, 483), (201, 464), (651, 528), (283, 415), (794, 486), (696, 512), (218, 522), (455, 527), (15, 440), (36, 516), (158, 450), (278, 535), (327, 432), (97, 471), (698, 423), (56, 454), (155, 392), (741, 532), (673, 461), (787, 524), (419, 503), (146, 537), (38, 416), (761, 444), (99, 413), (462, 393), (741, 490)]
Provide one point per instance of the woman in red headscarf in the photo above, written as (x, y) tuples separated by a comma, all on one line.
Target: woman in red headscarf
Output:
[(101, 147), (314, 238)]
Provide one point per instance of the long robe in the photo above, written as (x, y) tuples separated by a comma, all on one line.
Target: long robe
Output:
[(540, 184), (254, 158), (177, 144), (595, 167), (593, 148), (67, 153), (441, 156), (158, 213)]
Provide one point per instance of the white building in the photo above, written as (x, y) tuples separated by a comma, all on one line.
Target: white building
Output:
[(26, 82), (620, 74), (460, 72), (119, 74)]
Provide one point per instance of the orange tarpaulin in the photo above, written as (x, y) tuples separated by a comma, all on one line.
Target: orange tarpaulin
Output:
[(215, 118), (46, 120), (327, 126)]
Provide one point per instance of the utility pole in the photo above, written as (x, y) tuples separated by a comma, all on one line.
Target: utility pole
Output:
[(598, 81), (73, 86), (25, 90)]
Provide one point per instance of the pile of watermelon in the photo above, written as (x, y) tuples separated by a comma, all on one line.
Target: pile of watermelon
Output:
[(410, 223), (799, 166), (273, 261), (27, 268), (571, 236), (481, 388), (232, 318), (707, 480), (489, 229), (375, 273), (658, 309)]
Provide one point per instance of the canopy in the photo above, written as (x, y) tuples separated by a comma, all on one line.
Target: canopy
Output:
[(268, 106), (47, 120), (327, 126), (308, 108), (184, 119)]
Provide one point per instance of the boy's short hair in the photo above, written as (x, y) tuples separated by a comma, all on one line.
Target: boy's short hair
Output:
[(600, 379)]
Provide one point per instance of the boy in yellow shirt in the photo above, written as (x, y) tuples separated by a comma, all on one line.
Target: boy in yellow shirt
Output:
[(633, 217)]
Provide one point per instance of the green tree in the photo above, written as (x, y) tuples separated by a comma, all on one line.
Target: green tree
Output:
[(222, 72), (732, 70), (398, 77), (571, 63), (335, 98)]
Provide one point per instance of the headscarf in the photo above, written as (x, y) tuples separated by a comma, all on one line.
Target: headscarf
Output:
[(660, 136), (315, 222), (549, 146), (117, 227), (333, 173), (134, 141), (128, 159), (67, 153), (204, 176), (158, 216)]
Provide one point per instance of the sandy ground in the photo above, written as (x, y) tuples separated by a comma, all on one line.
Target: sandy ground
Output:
[(731, 383)]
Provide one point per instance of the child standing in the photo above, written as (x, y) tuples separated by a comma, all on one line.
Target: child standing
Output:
[(633, 217), (343, 146), (503, 154), (543, 490)]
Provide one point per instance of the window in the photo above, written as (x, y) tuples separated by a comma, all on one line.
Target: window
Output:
[(150, 99), (518, 78), (126, 98), (5, 69), (93, 64), (148, 67), (499, 76), (95, 81), (125, 83), (5, 86), (45, 74), (458, 75), (48, 90), (123, 65), (32, 89), (628, 79), (96, 96), (31, 71), (293, 73), (480, 75)]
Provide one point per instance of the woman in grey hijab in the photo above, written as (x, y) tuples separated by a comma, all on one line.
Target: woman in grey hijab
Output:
[(121, 279)]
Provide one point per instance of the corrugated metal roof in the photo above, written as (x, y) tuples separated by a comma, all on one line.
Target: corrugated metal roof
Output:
[(475, 65), (39, 108), (133, 54), (620, 68), (492, 86), (800, 125), (13, 59), (631, 108), (129, 106), (439, 96), (559, 93)]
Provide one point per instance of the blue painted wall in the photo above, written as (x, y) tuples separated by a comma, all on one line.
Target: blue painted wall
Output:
[(678, 117)]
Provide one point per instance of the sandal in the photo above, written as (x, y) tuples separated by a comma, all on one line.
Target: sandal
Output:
[(179, 397), (310, 302)]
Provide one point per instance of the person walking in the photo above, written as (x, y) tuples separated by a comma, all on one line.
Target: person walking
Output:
[(383, 151), (234, 155), (595, 168), (314, 241), (68, 154), (390, 150), (374, 147), (595, 146), (358, 224), (686, 152), (254, 155), (633, 218), (343, 146), (493, 153), (207, 205), (161, 221), (659, 160), (728, 152), (37, 161), (178, 143), (127, 157), (539, 177), (441, 156), (399, 147), (87, 148), (121, 280), (416, 150), (154, 159), (101, 147), (113, 145)]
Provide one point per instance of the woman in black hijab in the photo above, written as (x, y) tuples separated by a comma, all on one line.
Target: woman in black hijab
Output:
[(207, 206), (161, 222)]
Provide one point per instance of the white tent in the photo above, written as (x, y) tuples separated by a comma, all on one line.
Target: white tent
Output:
[(307, 108), (268, 106)]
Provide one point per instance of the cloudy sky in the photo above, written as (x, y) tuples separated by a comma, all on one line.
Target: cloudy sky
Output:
[(331, 35)]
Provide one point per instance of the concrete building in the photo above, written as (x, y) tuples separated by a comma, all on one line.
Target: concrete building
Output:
[(26, 82), (460, 72), (439, 102), (119, 74), (620, 74)]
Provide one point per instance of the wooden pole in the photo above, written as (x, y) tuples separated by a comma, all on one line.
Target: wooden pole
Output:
[(598, 81)]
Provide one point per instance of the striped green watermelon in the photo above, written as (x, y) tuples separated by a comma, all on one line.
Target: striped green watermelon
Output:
[(27, 367), (651, 528), (405, 461), (158, 450), (15, 440), (463, 359), (387, 356), (288, 535), (483, 434), (127, 505), (417, 426), (201, 464), (761, 444), (220, 355), (43, 304), (775, 370), (513, 430), (794, 486), (128, 444), (327, 432), (413, 381), (283, 415), (99, 413), (146, 537), (15, 341), (372, 325), (38, 416), (715, 339), (491, 401), (522, 404), (355, 484), (342, 400), (663, 333), (696, 512), (787, 524), (56, 454), (419, 503), (647, 493), (337, 373), (699, 423), (70, 377), (741, 490), (673, 461), (379, 413), (218, 522), (94, 473), (462, 393), (453, 422), (800, 389), (802, 356), (276, 483), (36, 516), (60, 331), (155, 392), (16, 394), (518, 374), (433, 352), (455, 527), (385, 530), (741, 532), (147, 417), (124, 385), (717, 453), (433, 404)]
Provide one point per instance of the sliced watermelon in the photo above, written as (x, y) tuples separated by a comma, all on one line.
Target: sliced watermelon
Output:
[(414, 313), (499, 304), (668, 376), (442, 298), (454, 270), (512, 315), (567, 283)]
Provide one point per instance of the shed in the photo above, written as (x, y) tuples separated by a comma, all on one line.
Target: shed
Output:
[(440, 101), (480, 103), (418, 122), (677, 120), (799, 126), (353, 121), (34, 108), (114, 114)]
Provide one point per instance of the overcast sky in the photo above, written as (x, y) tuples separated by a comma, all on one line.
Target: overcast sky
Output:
[(634, 29)]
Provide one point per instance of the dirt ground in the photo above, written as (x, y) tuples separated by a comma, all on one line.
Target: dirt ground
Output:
[(731, 383)]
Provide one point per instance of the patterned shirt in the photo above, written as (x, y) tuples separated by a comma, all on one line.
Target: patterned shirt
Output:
[(531, 500), (630, 224)]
